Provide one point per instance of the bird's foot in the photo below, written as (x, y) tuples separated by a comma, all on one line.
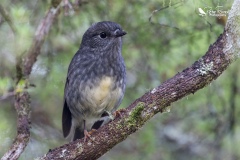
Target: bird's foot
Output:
[(119, 112), (87, 135)]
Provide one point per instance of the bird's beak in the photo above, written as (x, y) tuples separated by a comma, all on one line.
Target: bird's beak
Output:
[(119, 33)]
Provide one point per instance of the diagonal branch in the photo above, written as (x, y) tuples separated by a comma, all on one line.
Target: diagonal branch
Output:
[(22, 97), (208, 68), (7, 18), (42, 31)]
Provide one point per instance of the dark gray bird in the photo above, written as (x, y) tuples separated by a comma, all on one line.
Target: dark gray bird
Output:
[(96, 80)]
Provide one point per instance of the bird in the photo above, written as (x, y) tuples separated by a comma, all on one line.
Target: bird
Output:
[(96, 81)]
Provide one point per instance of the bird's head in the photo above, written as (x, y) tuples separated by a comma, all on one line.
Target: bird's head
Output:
[(103, 36)]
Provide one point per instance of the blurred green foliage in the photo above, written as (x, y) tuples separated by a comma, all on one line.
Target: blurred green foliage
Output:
[(200, 126)]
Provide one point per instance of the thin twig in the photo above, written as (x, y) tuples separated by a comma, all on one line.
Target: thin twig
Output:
[(158, 10), (7, 19)]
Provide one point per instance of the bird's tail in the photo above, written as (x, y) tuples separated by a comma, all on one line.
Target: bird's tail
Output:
[(78, 134)]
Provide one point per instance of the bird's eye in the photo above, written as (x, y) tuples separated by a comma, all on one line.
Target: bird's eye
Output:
[(103, 35)]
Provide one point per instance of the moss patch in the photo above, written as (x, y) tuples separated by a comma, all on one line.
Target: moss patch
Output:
[(135, 117)]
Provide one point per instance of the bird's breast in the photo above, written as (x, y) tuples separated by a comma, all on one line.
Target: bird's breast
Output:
[(103, 95), (102, 89)]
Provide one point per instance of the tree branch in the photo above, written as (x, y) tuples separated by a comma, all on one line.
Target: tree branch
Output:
[(22, 97), (42, 31), (7, 19), (208, 68)]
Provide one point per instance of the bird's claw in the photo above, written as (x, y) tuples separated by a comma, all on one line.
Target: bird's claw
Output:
[(118, 113), (87, 135)]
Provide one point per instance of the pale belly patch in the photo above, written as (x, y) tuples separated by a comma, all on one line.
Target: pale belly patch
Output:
[(101, 92), (103, 96)]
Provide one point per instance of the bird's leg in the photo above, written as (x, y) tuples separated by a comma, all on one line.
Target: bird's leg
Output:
[(92, 131), (86, 134)]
